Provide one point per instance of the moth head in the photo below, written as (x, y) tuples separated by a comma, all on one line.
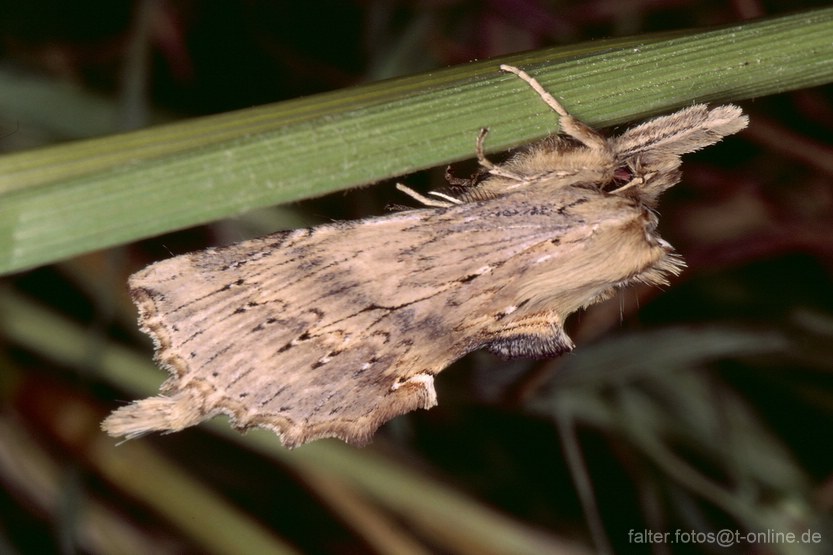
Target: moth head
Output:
[(650, 154), (645, 182)]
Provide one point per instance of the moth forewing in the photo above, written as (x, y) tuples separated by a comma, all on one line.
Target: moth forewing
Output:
[(619, 249), (332, 331)]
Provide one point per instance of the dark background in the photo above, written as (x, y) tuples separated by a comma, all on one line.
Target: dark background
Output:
[(707, 405)]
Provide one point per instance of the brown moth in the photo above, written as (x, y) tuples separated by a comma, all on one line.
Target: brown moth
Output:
[(334, 330)]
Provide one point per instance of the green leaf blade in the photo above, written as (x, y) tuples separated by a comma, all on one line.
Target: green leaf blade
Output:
[(65, 200)]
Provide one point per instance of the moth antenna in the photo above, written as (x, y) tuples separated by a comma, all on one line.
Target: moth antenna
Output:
[(568, 123)]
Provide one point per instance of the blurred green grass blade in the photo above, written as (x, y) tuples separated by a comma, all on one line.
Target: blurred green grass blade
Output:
[(217, 525), (60, 201), (657, 391), (450, 518), (57, 108)]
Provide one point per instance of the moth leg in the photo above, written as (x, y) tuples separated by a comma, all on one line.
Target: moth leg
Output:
[(448, 198), (640, 175), (490, 166), (632, 183), (570, 125), (535, 336), (448, 202)]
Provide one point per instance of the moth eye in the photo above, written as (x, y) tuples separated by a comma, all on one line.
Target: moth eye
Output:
[(622, 175)]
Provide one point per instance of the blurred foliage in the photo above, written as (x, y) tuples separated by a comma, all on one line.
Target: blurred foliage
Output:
[(705, 406)]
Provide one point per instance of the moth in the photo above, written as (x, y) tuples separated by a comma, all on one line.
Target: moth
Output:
[(333, 330)]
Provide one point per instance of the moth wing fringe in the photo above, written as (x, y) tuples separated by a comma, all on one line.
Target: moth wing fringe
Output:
[(173, 413), (411, 395), (165, 413)]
